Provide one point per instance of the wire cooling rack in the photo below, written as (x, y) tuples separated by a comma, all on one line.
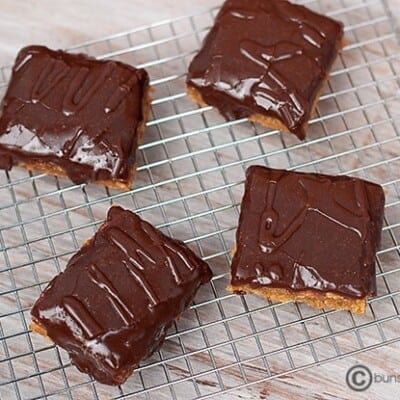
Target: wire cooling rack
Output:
[(189, 183)]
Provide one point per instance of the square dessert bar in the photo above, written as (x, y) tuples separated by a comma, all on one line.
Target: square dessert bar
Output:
[(71, 115), (308, 237), (266, 60), (116, 299)]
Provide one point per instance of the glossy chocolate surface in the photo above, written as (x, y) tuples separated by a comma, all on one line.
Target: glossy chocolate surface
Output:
[(302, 231), (76, 112), (114, 303), (268, 58)]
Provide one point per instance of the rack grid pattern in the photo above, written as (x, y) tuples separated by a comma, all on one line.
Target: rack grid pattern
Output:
[(189, 183)]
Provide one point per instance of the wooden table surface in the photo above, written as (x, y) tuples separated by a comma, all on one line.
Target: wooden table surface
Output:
[(64, 23)]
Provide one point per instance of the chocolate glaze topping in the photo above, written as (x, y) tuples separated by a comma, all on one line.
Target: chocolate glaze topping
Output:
[(76, 112), (114, 303), (268, 58), (308, 231)]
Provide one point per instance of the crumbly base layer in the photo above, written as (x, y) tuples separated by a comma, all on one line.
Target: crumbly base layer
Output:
[(37, 328), (311, 297), (50, 168), (268, 122)]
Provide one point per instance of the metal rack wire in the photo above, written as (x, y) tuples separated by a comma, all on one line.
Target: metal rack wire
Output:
[(189, 183)]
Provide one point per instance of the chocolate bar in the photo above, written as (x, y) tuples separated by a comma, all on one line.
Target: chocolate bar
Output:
[(308, 237), (112, 306), (266, 60), (72, 116)]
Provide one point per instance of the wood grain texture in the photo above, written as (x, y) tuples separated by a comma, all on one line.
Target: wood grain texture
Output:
[(66, 23)]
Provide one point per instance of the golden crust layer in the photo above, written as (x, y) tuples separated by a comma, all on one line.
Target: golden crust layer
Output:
[(37, 328), (268, 122), (311, 297)]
